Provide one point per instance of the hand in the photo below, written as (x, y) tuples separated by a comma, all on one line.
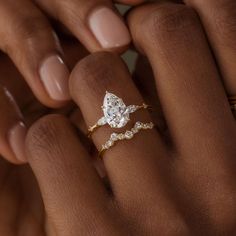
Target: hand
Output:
[(20, 200), (20, 108), (30, 40), (185, 186)]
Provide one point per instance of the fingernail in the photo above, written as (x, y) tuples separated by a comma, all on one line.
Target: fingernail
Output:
[(17, 141), (55, 75), (108, 28)]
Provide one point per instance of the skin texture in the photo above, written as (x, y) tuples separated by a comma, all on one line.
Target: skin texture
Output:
[(30, 37), (18, 104), (34, 41), (179, 182)]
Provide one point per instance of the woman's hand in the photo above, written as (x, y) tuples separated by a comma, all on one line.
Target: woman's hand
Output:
[(181, 182), (31, 43), (183, 185), (30, 40), (19, 107)]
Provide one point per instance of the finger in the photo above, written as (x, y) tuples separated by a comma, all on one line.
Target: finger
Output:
[(195, 107), (70, 187), (145, 81), (219, 20), (12, 129), (32, 45), (132, 164), (200, 107), (92, 22)]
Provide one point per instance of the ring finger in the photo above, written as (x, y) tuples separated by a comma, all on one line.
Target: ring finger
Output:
[(133, 166)]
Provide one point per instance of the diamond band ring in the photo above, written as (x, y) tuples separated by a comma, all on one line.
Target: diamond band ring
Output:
[(129, 134), (116, 113)]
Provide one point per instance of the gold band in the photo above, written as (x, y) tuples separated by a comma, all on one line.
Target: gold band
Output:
[(100, 122), (129, 134)]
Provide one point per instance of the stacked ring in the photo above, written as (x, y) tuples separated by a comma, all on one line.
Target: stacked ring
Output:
[(116, 113), (129, 134)]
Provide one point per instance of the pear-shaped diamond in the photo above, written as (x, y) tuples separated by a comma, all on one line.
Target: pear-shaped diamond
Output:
[(115, 111)]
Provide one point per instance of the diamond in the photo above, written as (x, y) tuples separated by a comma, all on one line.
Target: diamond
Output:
[(115, 111), (109, 143), (145, 126), (129, 134), (114, 137), (151, 125), (138, 125)]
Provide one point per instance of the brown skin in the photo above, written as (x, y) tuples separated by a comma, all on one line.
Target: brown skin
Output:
[(18, 103), (30, 37), (19, 193), (183, 187)]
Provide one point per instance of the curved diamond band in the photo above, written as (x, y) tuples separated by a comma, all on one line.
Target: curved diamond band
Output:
[(116, 113), (129, 134)]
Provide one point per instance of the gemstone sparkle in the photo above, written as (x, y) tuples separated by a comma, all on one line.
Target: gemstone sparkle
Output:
[(115, 111)]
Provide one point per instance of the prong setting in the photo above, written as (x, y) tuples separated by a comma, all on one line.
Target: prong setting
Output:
[(116, 113)]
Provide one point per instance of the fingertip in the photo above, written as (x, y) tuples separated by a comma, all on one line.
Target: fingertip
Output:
[(16, 137), (108, 28), (12, 129), (54, 75)]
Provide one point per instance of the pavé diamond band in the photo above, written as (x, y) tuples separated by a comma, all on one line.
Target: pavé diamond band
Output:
[(116, 113), (129, 134)]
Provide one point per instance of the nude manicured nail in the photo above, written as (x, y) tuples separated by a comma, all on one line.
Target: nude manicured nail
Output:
[(17, 141), (108, 28), (54, 75)]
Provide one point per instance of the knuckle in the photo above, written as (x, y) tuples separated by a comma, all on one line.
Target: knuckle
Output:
[(94, 72), (68, 11), (42, 138), (225, 21), (30, 27), (26, 32), (170, 19)]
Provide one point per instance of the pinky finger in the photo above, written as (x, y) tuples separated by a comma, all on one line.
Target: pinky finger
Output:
[(12, 129)]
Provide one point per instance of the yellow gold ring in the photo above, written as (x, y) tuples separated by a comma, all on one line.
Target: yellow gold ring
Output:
[(129, 134)]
